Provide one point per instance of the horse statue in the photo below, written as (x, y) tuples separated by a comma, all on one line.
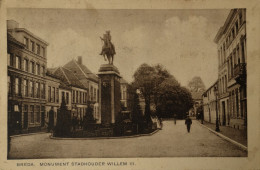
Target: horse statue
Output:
[(108, 49)]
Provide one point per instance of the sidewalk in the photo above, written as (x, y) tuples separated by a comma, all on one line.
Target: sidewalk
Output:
[(239, 136)]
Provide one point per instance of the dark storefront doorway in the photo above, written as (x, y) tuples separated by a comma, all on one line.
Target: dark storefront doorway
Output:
[(51, 119), (224, 113)]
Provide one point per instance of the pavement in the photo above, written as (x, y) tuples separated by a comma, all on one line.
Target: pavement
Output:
[(171, 141), (237, 135)]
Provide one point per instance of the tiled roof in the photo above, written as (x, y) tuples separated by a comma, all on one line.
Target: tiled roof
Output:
[(88, 72), (74, 81), (81, 70), (68, 78)]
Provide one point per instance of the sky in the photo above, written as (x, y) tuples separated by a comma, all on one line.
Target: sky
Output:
[(180, 40)]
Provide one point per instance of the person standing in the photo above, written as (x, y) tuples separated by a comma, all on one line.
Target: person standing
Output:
[(188, 123), (175, 117)]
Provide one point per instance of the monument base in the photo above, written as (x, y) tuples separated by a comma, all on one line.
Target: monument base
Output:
[(109, 94)]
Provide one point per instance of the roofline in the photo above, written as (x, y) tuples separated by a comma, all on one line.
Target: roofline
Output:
[(12, 39), (223, 29), (83, 71), (76, 78), (50, 77), (65, 74), (30, 33), (210, 87)]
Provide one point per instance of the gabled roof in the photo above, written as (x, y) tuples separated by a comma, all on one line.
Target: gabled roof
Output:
[(81, 71), (68, 78)]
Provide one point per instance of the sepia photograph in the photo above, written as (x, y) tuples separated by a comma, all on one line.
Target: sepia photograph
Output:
[(78, 75), (114, 87)]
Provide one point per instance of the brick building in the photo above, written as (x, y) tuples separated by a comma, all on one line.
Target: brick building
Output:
[(26, 79)]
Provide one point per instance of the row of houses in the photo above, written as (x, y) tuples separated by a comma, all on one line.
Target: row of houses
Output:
[(226, 99), (35, 92)]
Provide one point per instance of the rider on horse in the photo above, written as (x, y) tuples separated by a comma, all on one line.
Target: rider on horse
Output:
[(108, 48)]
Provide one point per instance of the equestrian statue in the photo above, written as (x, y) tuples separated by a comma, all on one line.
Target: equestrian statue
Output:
[(108, 49)]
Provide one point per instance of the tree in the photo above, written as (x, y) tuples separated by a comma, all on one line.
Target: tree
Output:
[(144, 80), (88, 119), (63, 124), (196, 84), (173, 99), (162, 75)]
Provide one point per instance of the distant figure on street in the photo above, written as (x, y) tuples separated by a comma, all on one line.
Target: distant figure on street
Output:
[(188, 123), (174, 117)]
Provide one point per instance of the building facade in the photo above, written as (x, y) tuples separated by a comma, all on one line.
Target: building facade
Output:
[(89, 82), (232, 57), (27, 62), (52, 100), (197, 99), (210, 104)]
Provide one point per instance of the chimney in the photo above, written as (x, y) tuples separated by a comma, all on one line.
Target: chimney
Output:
[(12, 24), (80, 59)]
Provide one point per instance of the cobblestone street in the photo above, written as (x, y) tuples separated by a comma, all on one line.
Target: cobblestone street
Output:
[(171, 141)]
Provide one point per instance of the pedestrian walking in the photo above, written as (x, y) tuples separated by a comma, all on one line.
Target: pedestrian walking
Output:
[(174, 117), (188, 123)]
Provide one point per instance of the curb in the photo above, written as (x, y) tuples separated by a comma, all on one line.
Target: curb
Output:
[(27, 134), (226, 138), (97, 138)]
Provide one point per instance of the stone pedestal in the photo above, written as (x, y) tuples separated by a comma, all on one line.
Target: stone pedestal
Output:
[(109, 94)]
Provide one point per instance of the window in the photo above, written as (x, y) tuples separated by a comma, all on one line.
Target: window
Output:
[(26, 66), (43, 113), (57, 95), (91, 93), (80, 97), (238, 56), (73, 96), (9, 84), (53, 94), (32, 67), (32, 114), (26, 42), (243, 52), (240, 18), (17, 86), (77, 96), (233, 33), (67, 98), (38, 69), (18, 62), (237, 27), (31, 92), (43, 71), (43, 51), (25, 88), (63, 95), (38, 49), (38, 90), (32, 46), (10, 59), (42, 91), (38, 116), (95, 95), (25, 111), (49, 93)]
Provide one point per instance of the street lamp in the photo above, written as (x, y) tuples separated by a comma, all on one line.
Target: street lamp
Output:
[(216, 94)]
